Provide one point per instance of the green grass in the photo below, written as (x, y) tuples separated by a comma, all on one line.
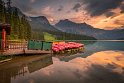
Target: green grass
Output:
[(4, 57), (49, 37)]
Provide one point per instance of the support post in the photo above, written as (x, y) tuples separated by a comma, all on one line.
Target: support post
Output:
[(3, 38)]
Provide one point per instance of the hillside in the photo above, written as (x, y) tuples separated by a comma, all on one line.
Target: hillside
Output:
[(42, 23), (85, 29)]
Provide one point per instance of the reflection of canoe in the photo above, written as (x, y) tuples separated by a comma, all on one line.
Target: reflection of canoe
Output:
[(68, 58), (38, 64)]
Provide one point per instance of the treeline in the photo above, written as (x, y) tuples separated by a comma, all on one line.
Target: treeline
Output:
[(70, 36), (20, 27), (38, 34)]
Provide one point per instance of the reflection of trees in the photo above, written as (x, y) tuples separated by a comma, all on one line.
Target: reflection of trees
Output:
[(38, 64), (23, 65), (89, 42), (7, 74)]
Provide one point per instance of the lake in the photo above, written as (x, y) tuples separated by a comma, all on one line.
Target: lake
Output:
[(101, 62)]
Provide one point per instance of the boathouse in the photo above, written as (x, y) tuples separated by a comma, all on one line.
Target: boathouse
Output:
[(5, 30)]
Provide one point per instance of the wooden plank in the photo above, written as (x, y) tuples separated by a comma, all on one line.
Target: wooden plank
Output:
[(37, 52), (24, 52)]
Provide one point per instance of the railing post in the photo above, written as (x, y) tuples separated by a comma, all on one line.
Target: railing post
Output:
[(42, 45)]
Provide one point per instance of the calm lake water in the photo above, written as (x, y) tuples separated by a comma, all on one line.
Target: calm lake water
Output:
[(77, 68)]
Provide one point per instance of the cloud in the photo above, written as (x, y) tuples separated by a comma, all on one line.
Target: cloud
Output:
[(111, 23), (76, 7), (109, 14), (98, 7), (25, 6), (122, 8), (32, 1), (119, 22), (60, 8)]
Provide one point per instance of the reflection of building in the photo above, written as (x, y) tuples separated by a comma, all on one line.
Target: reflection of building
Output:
[(21, 66)]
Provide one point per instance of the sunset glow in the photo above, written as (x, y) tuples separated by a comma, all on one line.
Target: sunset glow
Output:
[(79, 11)]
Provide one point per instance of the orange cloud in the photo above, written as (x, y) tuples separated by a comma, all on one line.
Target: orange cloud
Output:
[(111, 23), (102, 22), (32, 1)]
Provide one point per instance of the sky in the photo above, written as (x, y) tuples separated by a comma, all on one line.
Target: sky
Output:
[(103, 14)]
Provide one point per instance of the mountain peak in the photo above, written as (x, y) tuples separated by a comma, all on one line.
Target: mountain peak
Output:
[(67, 22), (41, 19)]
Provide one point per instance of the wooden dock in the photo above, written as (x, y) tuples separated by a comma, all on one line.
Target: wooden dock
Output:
[(24, 52), (25, 48)]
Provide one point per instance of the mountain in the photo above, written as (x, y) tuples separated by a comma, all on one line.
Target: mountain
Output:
[(85, 29), (42, 23), (19, 11), (39, 22)]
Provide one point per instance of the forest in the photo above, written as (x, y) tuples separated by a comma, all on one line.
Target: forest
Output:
[(20, 27)]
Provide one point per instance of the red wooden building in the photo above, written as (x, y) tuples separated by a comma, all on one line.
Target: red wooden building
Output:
[(5, 30)]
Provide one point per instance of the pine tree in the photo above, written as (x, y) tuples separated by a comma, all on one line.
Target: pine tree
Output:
[(26, 28), (28, 34), (15, 22), (2, 11)]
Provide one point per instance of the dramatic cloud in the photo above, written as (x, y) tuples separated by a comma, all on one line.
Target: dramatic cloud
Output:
[(105, 14), (108, 23), (98, 7), (76, 7)]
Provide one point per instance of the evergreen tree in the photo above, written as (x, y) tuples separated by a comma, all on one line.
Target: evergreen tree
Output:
[(15, 23), (2, 11), (26, 28), (28, 34)]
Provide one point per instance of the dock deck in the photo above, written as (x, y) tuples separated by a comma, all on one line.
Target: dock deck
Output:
[(30, 47), (25, 52)]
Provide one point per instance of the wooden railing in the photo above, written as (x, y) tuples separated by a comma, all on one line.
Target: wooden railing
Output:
[(13, 44), (30, 45)]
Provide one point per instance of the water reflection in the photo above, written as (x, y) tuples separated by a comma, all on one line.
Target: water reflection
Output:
[(92, 47), (21, 66), (104, 63), (103, 46), (97, 68)]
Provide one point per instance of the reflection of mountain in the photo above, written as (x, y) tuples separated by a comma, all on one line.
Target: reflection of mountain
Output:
[(102, 46), (85, 29), (21, 66)]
